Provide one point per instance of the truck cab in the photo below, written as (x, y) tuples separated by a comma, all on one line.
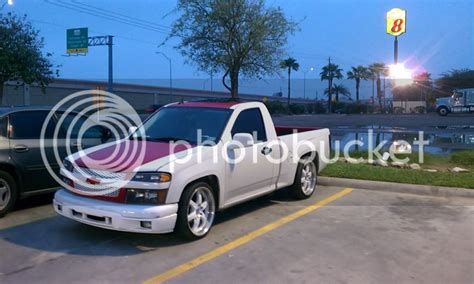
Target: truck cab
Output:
[(462, 101)]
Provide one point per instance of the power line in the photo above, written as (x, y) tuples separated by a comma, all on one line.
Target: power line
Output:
[(123, 16), (89, 11), (95, 31)]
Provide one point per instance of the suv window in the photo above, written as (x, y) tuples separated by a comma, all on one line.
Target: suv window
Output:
[(3, 126), (28, 124), (93, 131), (250, 121)]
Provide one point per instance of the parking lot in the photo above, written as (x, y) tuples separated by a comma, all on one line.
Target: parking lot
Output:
[(337, 236)]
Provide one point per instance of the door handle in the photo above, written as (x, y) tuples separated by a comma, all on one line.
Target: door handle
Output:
[(21, 148), (266, 150)]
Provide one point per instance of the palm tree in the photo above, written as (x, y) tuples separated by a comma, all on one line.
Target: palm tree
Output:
[(377, 71), (341, 89), (425, 84), (329, 73), (290, 64), (358, 73)]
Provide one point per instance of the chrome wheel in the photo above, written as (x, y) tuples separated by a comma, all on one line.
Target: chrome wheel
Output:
[(5, 194), (308, 178), (201, 211)]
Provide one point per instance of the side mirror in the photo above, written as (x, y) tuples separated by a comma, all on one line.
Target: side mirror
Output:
[(241, 140), (132, 129), (106, 134)]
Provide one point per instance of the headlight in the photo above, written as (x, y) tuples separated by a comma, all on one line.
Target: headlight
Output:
[(146, 196), (68, 165), (152, 177)]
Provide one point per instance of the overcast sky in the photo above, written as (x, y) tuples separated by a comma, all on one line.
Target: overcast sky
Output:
[(440, 35)]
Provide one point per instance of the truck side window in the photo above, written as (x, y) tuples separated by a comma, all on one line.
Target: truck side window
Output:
[(250, 121)]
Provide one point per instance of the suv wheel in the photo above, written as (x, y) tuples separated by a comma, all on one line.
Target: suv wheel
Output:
[(8, 193), (196, 211)]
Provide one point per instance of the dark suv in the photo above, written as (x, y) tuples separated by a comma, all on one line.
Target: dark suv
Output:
[(22, 171)]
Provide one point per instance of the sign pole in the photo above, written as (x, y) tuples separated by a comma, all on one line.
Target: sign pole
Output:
[(396, 26), (110, 85), (395, 51)]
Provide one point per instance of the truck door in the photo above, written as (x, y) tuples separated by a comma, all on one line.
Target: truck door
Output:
[(254, 173)]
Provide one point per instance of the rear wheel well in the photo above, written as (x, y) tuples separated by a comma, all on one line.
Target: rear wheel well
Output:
[(315, 158), (212, 181), (11, 171)]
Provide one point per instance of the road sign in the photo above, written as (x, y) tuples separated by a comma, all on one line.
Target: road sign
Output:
[(396, 21), (77, 40)]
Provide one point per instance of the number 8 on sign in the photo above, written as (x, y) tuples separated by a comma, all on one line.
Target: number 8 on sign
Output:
[(396, 22)]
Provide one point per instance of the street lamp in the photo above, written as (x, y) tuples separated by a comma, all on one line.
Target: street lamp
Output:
[(171, 70), (400, 75), (9, 2), (304, 81)]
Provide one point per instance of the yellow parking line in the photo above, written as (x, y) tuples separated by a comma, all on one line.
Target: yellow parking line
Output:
[(27, 216), (244, 239)]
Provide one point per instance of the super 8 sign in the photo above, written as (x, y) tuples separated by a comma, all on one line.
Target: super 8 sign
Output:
[(396, 21)]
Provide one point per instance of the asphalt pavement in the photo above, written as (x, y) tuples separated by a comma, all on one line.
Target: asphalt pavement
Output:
[(337, 236)]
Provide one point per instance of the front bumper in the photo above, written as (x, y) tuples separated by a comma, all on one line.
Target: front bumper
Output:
[(114, 216)]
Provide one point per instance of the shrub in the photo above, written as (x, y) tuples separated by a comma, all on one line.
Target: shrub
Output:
[(276, 107), (319, 108), (297, 108), (420, 109), (464, 158)]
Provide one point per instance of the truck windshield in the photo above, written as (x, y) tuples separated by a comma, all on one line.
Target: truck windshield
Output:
[(193, 125)]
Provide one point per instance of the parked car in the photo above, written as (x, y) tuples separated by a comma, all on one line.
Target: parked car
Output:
[(184, 197), (462, 101), (22, 171)]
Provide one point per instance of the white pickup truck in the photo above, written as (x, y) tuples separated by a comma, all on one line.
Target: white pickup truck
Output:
[(241, 156)]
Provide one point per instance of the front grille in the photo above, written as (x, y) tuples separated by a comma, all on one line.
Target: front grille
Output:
[(106, 176), (101, 174), (90, 188)]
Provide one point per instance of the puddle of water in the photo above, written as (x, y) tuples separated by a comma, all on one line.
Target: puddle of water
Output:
[(439, 143)]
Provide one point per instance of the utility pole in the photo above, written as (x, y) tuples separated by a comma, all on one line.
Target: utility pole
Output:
[(304, 81), (171, 70), (329, 88)]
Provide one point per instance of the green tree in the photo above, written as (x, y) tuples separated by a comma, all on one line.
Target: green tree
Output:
[(377, 71), (456, 79), (21, 58), (358, 73), (329, 73), (232, 36), (340, 89), (289, 64)]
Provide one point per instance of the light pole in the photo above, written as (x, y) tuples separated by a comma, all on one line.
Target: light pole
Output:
[(171, 70), (304, 81), (9, 2)]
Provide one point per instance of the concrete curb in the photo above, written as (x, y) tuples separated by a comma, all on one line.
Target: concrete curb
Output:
[(397, 187)]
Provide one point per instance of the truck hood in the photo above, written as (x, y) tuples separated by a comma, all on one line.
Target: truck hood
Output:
[(127, 155), (443, 101)]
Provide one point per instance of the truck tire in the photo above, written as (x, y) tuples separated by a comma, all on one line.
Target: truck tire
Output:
[(196, 211), (305, 180), (8, 193), (443, 111)]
